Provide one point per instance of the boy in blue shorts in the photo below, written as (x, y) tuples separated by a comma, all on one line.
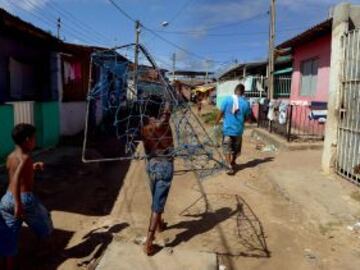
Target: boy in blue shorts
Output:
[(159, 145), (19, 204)]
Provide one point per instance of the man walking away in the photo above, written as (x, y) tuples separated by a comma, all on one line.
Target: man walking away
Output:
[(235, 110)]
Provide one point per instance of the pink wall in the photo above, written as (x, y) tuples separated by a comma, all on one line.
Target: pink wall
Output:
[(321, 49)]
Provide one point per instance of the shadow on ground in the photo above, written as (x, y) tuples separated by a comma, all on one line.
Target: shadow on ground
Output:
[(36, 256), (227, 225), (252, 163)]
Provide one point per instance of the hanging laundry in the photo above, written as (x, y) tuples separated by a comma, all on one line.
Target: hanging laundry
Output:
[(318, 111), (77, 71), (249, 83), (317, 114), (283, 108), (271, 112), (72, 72)]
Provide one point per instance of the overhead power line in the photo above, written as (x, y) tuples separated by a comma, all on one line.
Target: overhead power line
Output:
[(47, 21), (84, 26), (217, 26), (230, 34), (124, 13), (180, 11), (78, 31), (66, 26)]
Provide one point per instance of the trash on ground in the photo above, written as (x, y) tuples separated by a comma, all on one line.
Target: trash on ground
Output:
[(309, 254), (222, 267), (140, 240), (354, 228), (269, 148)]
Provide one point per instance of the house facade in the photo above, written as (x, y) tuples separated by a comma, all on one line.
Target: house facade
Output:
[(28, 81), (311, 52), (44, 82)]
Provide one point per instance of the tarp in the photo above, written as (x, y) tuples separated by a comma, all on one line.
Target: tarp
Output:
[(204, 88), (283, 71)]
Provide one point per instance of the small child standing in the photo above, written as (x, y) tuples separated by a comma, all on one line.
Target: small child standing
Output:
[(19, 203)]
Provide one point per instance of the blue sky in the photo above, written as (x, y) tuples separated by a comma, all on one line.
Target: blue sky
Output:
[(210, 32)]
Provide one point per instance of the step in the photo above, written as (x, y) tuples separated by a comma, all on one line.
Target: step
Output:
[(129, 256)]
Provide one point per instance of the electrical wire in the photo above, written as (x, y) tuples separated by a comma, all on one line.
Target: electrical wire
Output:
[(216, 26), (233, 34), (85, 27), (124, 13), (43, 19), (180, 11), (52, 18)]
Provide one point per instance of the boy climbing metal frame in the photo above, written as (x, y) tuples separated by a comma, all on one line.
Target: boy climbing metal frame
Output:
[(193, 143)]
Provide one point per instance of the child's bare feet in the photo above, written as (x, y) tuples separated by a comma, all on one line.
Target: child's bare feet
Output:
[(149, 247)]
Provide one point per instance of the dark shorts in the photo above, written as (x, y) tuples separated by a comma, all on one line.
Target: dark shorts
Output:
[(232, 145), (36, 217), (160, 173)]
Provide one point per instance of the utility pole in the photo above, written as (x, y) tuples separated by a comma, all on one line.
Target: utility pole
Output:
[(136, 56), (58, 27), (174, 65), (271, 50), (207, 63)]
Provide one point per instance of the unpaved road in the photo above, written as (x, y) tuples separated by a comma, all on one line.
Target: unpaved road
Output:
[(278, 212)]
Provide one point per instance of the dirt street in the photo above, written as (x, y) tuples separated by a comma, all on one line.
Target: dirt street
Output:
[(278, 212)]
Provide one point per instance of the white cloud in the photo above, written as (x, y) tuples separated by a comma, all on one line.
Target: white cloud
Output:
[(27, 5), (231, 11)]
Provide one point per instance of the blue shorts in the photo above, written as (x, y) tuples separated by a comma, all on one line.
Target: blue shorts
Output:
[(35, 216), (160, 171)]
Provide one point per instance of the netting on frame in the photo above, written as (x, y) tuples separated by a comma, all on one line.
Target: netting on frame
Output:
[(120, 97)]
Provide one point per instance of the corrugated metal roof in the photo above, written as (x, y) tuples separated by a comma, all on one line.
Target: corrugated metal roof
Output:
[(318, 30), (240, 66), (12, 22)]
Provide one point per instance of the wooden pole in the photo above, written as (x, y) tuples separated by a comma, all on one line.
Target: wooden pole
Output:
[(271, 50), (136, 56)]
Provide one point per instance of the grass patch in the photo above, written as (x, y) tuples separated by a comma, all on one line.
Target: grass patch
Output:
[(329, 227), (210, 117)]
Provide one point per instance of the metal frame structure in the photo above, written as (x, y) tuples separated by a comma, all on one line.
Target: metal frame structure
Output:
[(348, 148)]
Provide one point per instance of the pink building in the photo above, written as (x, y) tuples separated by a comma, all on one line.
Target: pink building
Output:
[(311, 52)]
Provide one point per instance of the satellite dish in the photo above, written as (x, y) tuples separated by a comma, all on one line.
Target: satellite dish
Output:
[(165, 23)]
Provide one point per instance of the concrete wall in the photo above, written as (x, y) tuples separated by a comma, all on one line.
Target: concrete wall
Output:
[(7, 124), (72, 115), (346, 17), (47, 123), (319, 48), (225, 89)]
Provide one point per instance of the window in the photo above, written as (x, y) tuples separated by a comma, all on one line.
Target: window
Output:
[(22, 80), (309, 72)]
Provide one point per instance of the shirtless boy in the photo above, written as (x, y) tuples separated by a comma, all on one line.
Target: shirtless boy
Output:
[(19, 203), (159, 144)]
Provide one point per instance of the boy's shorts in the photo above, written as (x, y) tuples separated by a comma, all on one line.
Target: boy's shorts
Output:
[(7, 240), (232, 145), (35, 216), (160, 171)]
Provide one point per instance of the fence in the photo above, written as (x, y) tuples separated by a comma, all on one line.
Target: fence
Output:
[(348, 147), (295, 123)]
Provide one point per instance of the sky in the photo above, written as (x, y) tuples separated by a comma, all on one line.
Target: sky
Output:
[(204, 34)]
